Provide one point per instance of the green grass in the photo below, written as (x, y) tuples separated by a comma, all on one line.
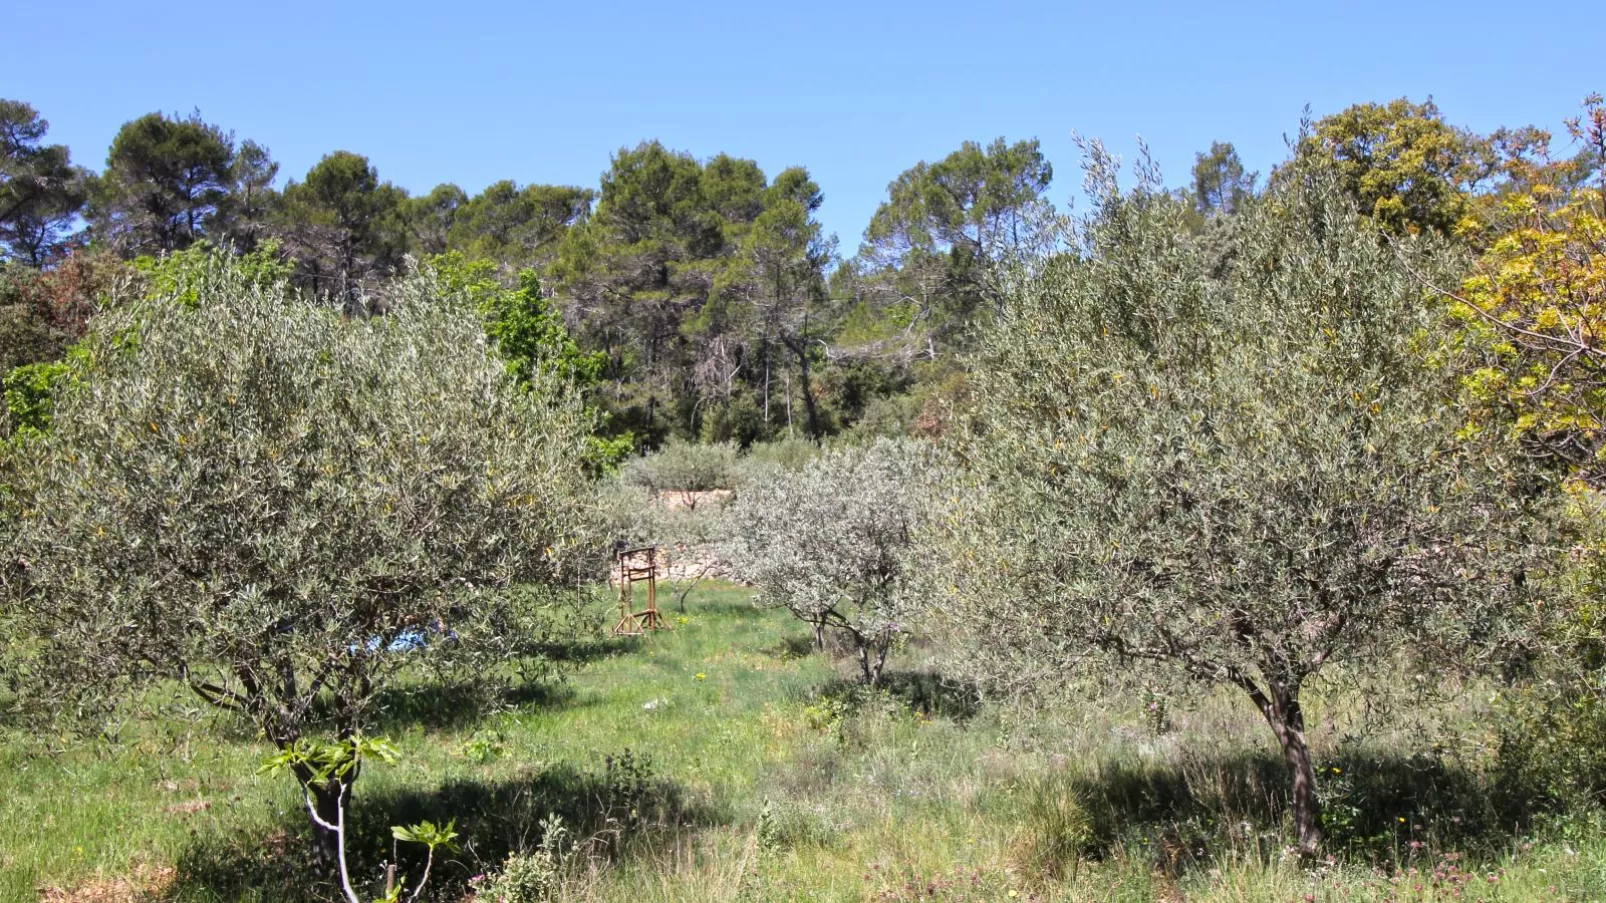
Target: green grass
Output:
[(754, 775)]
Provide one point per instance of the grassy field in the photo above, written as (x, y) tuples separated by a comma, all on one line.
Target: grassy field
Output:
[(723, 761)]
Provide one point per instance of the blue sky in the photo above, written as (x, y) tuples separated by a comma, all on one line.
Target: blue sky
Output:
[(475, 92)]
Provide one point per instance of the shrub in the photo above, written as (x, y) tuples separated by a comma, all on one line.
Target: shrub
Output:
[(739, 421), (247, 493), (787, 454), (684, 467), (531, 877), (28, 389), (43, 312), (1056, 830), (791, 824), (1551, 733), (835, 543)]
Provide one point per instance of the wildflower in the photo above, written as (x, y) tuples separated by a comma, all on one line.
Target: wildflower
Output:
[(701, 676)]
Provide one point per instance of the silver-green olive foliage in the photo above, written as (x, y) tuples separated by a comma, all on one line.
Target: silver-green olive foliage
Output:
[(1240, 465), (838, 542), (247, 492)]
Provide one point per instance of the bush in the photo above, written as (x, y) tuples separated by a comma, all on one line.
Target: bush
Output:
[(739, 420), (890, 417), (683, 467), (791, 824), (787, 454), (1551, 739), (1056, 832), (242, 491), (28, 390), (835, 543), (531, 877)]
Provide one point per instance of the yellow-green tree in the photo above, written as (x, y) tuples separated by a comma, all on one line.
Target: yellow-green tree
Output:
[(1536, 302), (1402, 164)]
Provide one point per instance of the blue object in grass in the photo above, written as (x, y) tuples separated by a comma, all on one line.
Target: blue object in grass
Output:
[(409, 640)]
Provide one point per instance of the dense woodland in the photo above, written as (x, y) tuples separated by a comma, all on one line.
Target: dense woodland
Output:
[(1318, 450), (718, 309)]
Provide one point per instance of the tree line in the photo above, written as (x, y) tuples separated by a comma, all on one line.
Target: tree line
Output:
[(717, 305)]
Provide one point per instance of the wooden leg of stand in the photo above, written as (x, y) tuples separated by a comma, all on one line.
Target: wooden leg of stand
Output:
[(628, 625)]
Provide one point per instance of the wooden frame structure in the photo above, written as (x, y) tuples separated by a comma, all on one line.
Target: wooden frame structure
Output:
[(634, 566)]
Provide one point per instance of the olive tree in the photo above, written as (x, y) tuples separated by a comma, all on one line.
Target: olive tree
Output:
[(836, 542), (247, 493), (683, 467), (1238, 466)]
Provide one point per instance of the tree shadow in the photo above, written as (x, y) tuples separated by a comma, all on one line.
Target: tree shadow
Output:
[(928, 692), (605, 807), (934, 694), (452, 706), (579, 652), (432, 705), (1378, 807)]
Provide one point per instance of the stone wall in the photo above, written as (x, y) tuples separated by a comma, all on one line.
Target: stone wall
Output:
[(689, 561)]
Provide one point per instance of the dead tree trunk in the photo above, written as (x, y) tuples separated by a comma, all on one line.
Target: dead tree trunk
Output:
[(800, 349)]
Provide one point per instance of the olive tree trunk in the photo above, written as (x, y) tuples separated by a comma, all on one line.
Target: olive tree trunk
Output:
[(873, 658), (1279, 704), (328, 798)]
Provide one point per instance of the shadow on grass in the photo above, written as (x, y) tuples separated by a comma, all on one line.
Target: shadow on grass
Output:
[(931, 693), (605, 806), (451, 706), (1378, 807), (579, 652), (927, 692), (432, 705)]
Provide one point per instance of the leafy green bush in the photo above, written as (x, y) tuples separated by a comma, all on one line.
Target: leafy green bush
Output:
[(530, 336), (184, 276), (738, 420), (1551, 739), (27, 395), (764, 462)]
